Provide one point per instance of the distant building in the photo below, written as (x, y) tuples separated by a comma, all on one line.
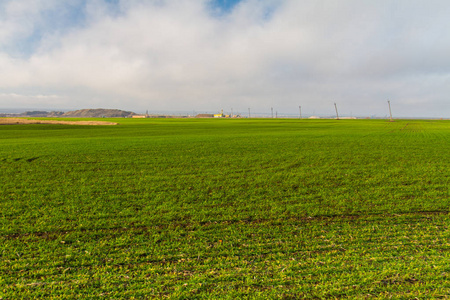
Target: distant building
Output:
[(220, 115), (141, 116), (205, 116), (314, 117)]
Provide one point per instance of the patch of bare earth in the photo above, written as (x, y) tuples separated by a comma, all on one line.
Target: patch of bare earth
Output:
[(17, 121)]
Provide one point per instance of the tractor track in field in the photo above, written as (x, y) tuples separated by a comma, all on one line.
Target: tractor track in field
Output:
[(53, 234)]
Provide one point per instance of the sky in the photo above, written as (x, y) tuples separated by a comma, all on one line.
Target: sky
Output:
[(208, 55)]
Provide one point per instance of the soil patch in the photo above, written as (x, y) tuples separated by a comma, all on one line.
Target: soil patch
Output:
[(18, 121)]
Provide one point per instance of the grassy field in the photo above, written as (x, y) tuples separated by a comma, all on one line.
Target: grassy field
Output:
[(201, 208)]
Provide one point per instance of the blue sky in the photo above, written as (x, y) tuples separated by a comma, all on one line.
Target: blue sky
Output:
[(226, 5), (206, 55)]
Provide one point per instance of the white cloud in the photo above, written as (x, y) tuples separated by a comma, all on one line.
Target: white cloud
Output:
[(180, 54), (31, 100)]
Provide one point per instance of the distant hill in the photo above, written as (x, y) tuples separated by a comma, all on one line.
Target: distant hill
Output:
[(43, 114), (33, 114), (99, 113), (82, 113)]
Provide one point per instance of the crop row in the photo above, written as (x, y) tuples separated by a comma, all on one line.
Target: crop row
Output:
[(344, 256)]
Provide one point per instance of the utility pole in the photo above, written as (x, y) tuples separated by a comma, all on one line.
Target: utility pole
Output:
[(249, 112), (337, 115), (272, 111), (390, 112), (300, 108), (231, 112)]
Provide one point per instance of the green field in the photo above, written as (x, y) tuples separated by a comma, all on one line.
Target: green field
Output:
[(248, 208)]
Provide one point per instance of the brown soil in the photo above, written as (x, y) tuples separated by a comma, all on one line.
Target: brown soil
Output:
[(16, 121)]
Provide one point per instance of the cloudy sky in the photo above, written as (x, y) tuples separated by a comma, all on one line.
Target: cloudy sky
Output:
[(205, 55)]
